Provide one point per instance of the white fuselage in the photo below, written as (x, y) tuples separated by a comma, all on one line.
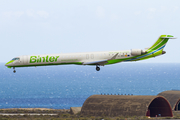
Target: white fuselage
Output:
[(69, 58)]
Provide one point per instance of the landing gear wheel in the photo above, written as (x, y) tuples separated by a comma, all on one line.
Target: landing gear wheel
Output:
[(98, 68), (14, 70)]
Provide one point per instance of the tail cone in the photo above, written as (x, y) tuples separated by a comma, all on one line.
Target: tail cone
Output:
[(163, 52)]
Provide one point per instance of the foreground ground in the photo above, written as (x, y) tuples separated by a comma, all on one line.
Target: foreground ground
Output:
[(60, 114)]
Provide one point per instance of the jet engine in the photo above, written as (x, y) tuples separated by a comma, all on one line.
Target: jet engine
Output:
[(137, 52)]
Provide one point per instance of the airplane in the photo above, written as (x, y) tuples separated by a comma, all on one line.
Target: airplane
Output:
[(91, 58)]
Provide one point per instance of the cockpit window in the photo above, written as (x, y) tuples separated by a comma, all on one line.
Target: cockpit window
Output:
[(15, 59)]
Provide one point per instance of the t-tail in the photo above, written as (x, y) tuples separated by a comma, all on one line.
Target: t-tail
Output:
[(158, 46)]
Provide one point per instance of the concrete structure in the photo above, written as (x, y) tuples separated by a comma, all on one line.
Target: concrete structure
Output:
[(75, 110), (126, 105), (173, 97)]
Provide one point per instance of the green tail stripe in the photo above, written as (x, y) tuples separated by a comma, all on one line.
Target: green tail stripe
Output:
[(152, 48), (161, 41), (156, 43)]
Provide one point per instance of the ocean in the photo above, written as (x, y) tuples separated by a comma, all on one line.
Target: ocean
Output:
[(62, 87)]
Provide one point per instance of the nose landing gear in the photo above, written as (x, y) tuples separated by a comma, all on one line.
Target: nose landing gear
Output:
[(14, 70), (97, 68)]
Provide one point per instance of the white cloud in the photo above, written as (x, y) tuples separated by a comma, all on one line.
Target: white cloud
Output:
[(18, 13), (137, 12), (30, 13), (11, 14), (175, 8), (7, 14), (100, 12), (150, 16), (163, 8), (151, 13), (43, 14), (152, 9), (114, 17)]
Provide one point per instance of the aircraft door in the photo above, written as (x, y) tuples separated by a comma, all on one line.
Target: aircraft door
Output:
[(25, 60), (92, 56), (18, 61), (87, 56)]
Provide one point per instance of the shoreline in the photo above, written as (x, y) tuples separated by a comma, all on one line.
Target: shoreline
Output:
[(60, 114), (31, 109), (34, 110)]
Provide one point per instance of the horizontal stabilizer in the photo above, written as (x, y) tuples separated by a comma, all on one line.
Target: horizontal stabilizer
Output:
[(169, 37)]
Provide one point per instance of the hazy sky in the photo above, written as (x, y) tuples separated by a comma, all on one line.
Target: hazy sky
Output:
[(66, 26)]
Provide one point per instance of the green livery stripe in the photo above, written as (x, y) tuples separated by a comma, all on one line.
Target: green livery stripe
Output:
[(170, 36), (116, 61), (157, 42), (156, 45), (161, 44), (161, 40), (9, 62), (163, 36), (76, 63), (151, 54)]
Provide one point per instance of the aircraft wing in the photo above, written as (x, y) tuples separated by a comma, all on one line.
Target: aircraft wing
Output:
[(100, 62), (114, 56)]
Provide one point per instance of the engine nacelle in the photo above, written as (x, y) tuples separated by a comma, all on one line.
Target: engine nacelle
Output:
[(137, 52)]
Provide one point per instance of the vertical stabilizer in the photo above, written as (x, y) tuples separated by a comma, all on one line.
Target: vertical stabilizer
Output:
[(161, 42)]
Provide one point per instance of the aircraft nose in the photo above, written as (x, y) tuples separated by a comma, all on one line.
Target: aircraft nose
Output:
[(8, 63)]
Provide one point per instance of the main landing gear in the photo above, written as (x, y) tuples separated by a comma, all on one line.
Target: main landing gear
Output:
[(14, 70), (97, 68)]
